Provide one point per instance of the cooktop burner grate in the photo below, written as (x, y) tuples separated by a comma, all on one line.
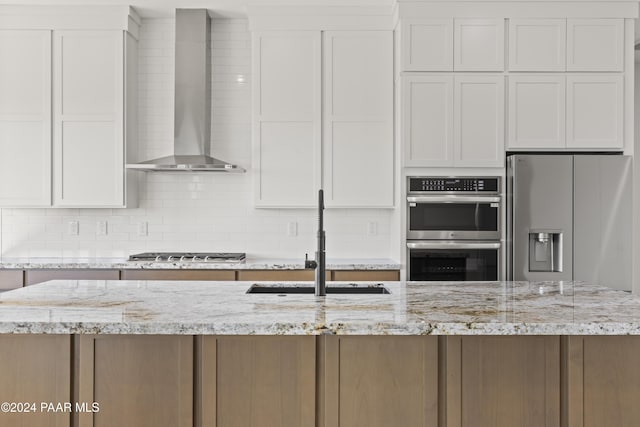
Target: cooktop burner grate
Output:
[(189, 257)]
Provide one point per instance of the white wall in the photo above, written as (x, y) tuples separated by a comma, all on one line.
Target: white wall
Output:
[(195, 212)]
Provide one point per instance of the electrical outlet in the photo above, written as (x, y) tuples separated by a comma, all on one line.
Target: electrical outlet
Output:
[(73, 228), (292, 229), (372, 228), (101, 228), (143, 228)]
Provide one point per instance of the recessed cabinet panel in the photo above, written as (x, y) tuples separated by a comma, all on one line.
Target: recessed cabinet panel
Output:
[(35, 369), (356, 63), (82, 180), (368, 178), (603, 381), (380, 381), (89, 118), (478, 45), (25, 76), (427, 120), (536, 111), (287, 175), (89, 73), (357, 135), (287, 74), (595, 105), (25, 143), (537, 44), (479, 120), (595, 44), (258, 381), (501, 381), (25, 118), (138, 380), (427, 45)]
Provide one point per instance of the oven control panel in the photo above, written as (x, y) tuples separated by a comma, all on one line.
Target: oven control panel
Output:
[(455, 185)]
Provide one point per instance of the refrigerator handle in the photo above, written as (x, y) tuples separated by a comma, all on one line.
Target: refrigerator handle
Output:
[(509, 182)]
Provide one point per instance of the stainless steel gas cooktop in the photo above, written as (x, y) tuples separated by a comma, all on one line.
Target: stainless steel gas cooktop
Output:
[(189, 257)]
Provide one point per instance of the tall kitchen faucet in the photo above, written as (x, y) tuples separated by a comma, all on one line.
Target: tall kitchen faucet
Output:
[(320, 262)]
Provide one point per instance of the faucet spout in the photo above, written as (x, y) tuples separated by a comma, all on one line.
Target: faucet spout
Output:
[(321, 269)]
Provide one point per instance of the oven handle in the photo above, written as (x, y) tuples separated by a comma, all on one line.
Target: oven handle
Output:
[(453, 199), (453, 245)]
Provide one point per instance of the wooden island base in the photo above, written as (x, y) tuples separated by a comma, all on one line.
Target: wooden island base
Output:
[(298, 381)]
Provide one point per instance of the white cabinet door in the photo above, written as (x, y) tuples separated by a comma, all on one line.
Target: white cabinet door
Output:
[(478, 138), (537, 44), (427, 120), (595, 44), (427, 45), (88, 118), (358, 118), (536, 111), (478, 45), (286, 118), (25, 118), (595, 111)]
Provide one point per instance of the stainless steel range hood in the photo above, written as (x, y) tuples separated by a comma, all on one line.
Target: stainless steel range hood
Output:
[(192, 111)]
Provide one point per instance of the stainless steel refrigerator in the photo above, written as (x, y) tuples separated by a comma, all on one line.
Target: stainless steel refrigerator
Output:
[(569, 218)]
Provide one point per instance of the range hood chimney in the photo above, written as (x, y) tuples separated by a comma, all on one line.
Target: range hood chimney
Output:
[(192, 111)]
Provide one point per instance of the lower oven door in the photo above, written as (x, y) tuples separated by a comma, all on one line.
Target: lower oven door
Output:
[(453, 260)]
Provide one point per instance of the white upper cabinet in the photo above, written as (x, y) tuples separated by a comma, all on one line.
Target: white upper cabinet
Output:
[(595, 105), (452, 44), (427, 45), (536, 111), (323, 118), (452, 120), (478, 45), (572, 111), (88, 118), (358, 118), (67, 106), (537, 44), (568, 81), (286, 123), (25, 118), (595, 44), (478, 128), (427, 119)]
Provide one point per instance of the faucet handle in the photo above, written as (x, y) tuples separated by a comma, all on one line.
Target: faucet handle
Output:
[(309, 263)]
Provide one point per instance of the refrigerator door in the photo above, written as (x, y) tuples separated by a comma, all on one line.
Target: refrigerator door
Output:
[(541, 217), (602, 220)]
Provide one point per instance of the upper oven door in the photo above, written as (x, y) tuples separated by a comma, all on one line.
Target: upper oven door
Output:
[(453, 217)]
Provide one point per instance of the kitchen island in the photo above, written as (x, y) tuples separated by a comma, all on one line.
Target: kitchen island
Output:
[(446, 354)]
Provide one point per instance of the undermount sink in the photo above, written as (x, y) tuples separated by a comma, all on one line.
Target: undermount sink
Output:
[(305, 289)]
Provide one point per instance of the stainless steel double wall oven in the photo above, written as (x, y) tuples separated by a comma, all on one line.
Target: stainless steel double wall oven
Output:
[(453, 228)]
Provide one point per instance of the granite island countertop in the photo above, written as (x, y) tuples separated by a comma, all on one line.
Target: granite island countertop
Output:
[(251, 263), (412, 308)]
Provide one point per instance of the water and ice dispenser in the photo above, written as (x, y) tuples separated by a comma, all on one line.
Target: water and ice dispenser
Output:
[(545, 250)]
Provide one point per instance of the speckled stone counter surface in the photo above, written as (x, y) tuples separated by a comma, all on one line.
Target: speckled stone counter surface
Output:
[(412, 308), (249, 264)]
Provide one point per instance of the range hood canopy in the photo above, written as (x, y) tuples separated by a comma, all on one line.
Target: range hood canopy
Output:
[(192, 112)]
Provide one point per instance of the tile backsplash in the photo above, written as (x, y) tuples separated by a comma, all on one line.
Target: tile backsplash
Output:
[(201, 211)]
